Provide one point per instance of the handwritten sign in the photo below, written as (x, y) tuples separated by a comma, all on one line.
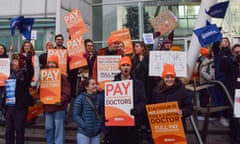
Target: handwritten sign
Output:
[(4, 70), (50, 85), (236, 110), (118, 103), (62, 58), (165, 123), (107, 67), (165, 22), (159, 58), (76, 49), (148, 38), (75, 23), (125, 37)]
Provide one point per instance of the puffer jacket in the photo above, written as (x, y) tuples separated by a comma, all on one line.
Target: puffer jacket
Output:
[(85, 117)]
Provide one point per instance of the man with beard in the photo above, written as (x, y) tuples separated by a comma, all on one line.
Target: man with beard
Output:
[(110, 50), (130, 134)]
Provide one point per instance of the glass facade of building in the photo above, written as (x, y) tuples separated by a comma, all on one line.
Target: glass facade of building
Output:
[(113, 15)]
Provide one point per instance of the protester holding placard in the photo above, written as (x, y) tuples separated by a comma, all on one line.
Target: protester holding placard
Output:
[(55, 113), (230, 67), (43, 56), (18, 98), (3, 54), (130, 134), (110, 50), (170, 89), (88, 113)]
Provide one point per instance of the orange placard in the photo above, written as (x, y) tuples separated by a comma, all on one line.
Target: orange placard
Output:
[(164, 23), (4, 70), (75, 23), (76, 50), (34, 111), (125, 37), (118, 103), (50, 85), (166, 124), (62, 58)]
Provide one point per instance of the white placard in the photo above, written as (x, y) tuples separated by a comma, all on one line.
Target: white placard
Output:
[(159, 58), (236, 110), (118, 103), (148, 38), (107, 67)]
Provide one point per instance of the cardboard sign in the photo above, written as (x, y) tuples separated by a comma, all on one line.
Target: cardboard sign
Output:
[(165, 123), (236, 110), (164, 23), (107, 67), (62, 58), (75, 23), (4, 70), (76, 50), (34, 111), (50, 85), (125, 37), (118, 103), (157, 59), (148, 38)]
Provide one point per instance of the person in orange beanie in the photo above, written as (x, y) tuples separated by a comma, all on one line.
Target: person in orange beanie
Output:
[(53, 59), (111, 50), (170, 88), (130, 134), (204, 51)]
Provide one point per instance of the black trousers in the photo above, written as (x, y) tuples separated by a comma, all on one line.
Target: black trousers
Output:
[(124, 135), (234, 130), (15, 121)]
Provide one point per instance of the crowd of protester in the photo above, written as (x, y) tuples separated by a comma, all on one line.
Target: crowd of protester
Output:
[(219, 62)]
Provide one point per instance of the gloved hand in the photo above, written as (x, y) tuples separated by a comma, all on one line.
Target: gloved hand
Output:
[(133, 112), (58, 104)]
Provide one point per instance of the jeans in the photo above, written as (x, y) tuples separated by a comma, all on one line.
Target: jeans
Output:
[(54, 127), (15, 121), (82, 139)]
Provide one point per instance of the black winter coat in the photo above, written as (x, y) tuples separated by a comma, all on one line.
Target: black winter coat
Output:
[(139, 99), (23, 79), (177, 93)]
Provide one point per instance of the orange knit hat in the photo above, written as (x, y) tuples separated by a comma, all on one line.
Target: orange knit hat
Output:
[(53, 58), (112, 39), (168, 69), (125, 60), (204, 51)]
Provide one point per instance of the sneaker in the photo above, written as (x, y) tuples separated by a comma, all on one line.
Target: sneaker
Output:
[(224, 122)]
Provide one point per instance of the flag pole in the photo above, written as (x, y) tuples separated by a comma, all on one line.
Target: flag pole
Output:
[(194, 48)]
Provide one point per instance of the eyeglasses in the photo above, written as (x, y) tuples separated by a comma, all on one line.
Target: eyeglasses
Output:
[(89, 45), (59, 39)]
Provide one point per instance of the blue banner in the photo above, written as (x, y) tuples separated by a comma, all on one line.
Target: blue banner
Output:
[(14, 22), (24, 26), (208, 34), (218, 10), (10, 91)]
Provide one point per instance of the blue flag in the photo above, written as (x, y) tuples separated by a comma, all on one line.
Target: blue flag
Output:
[(24, 26), (14, 22), (218, 10), (208, 34)]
